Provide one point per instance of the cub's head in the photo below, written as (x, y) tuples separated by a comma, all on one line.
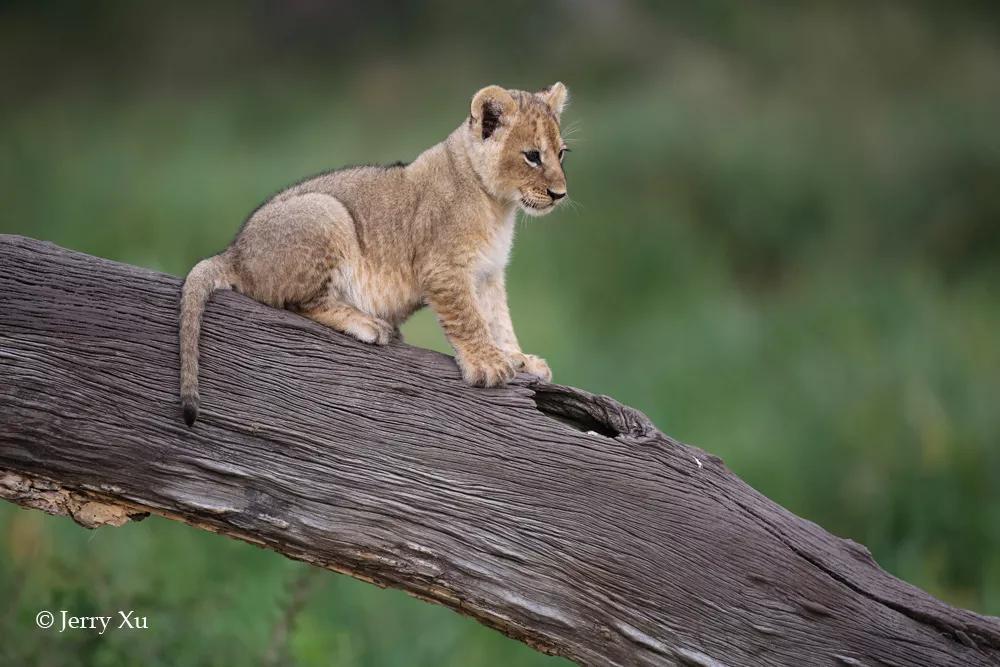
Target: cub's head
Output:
[(515, 145)]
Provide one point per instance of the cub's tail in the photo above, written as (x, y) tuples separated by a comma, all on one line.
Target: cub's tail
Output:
[(207, 276)]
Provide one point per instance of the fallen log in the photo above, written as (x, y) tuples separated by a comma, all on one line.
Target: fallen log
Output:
[(562, 519)]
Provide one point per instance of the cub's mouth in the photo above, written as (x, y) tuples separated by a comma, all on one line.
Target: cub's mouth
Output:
[(534, 208)]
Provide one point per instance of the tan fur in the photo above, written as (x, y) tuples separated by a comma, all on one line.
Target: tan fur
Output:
[(362, 248)]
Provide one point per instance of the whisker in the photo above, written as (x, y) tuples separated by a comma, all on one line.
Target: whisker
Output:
[(575, 206)]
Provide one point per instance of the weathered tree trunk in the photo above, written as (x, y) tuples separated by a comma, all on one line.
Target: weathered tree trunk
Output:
[(562, 519)]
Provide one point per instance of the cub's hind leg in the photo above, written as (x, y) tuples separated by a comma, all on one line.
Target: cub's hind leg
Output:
[(351, 321), (299, 252), (288, 249)]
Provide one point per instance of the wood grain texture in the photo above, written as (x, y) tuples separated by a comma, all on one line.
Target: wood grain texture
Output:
[(562, 519)]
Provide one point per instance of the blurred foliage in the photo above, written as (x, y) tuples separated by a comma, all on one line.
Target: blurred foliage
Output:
[(784, 247)]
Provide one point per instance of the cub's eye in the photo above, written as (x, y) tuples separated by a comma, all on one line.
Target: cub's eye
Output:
[(533, 158), (562, 153)]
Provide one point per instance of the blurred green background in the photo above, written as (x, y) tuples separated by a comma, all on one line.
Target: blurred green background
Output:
[(784, 248)]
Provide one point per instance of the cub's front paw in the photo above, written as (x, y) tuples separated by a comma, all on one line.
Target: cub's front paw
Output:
[(532, 365), (490, 369), (371, 330)]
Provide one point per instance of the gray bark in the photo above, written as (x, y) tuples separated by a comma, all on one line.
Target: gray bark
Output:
[(562, 519)]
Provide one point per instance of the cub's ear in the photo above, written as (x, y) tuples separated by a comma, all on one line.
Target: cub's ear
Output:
[(556, 97), (491, 107)]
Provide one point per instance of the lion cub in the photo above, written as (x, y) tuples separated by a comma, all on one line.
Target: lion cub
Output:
[(360, 249)]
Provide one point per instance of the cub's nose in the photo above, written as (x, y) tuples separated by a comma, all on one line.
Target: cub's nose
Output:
[(556, 196)]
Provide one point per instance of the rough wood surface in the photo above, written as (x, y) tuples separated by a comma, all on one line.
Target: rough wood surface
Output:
[(562, 519)]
